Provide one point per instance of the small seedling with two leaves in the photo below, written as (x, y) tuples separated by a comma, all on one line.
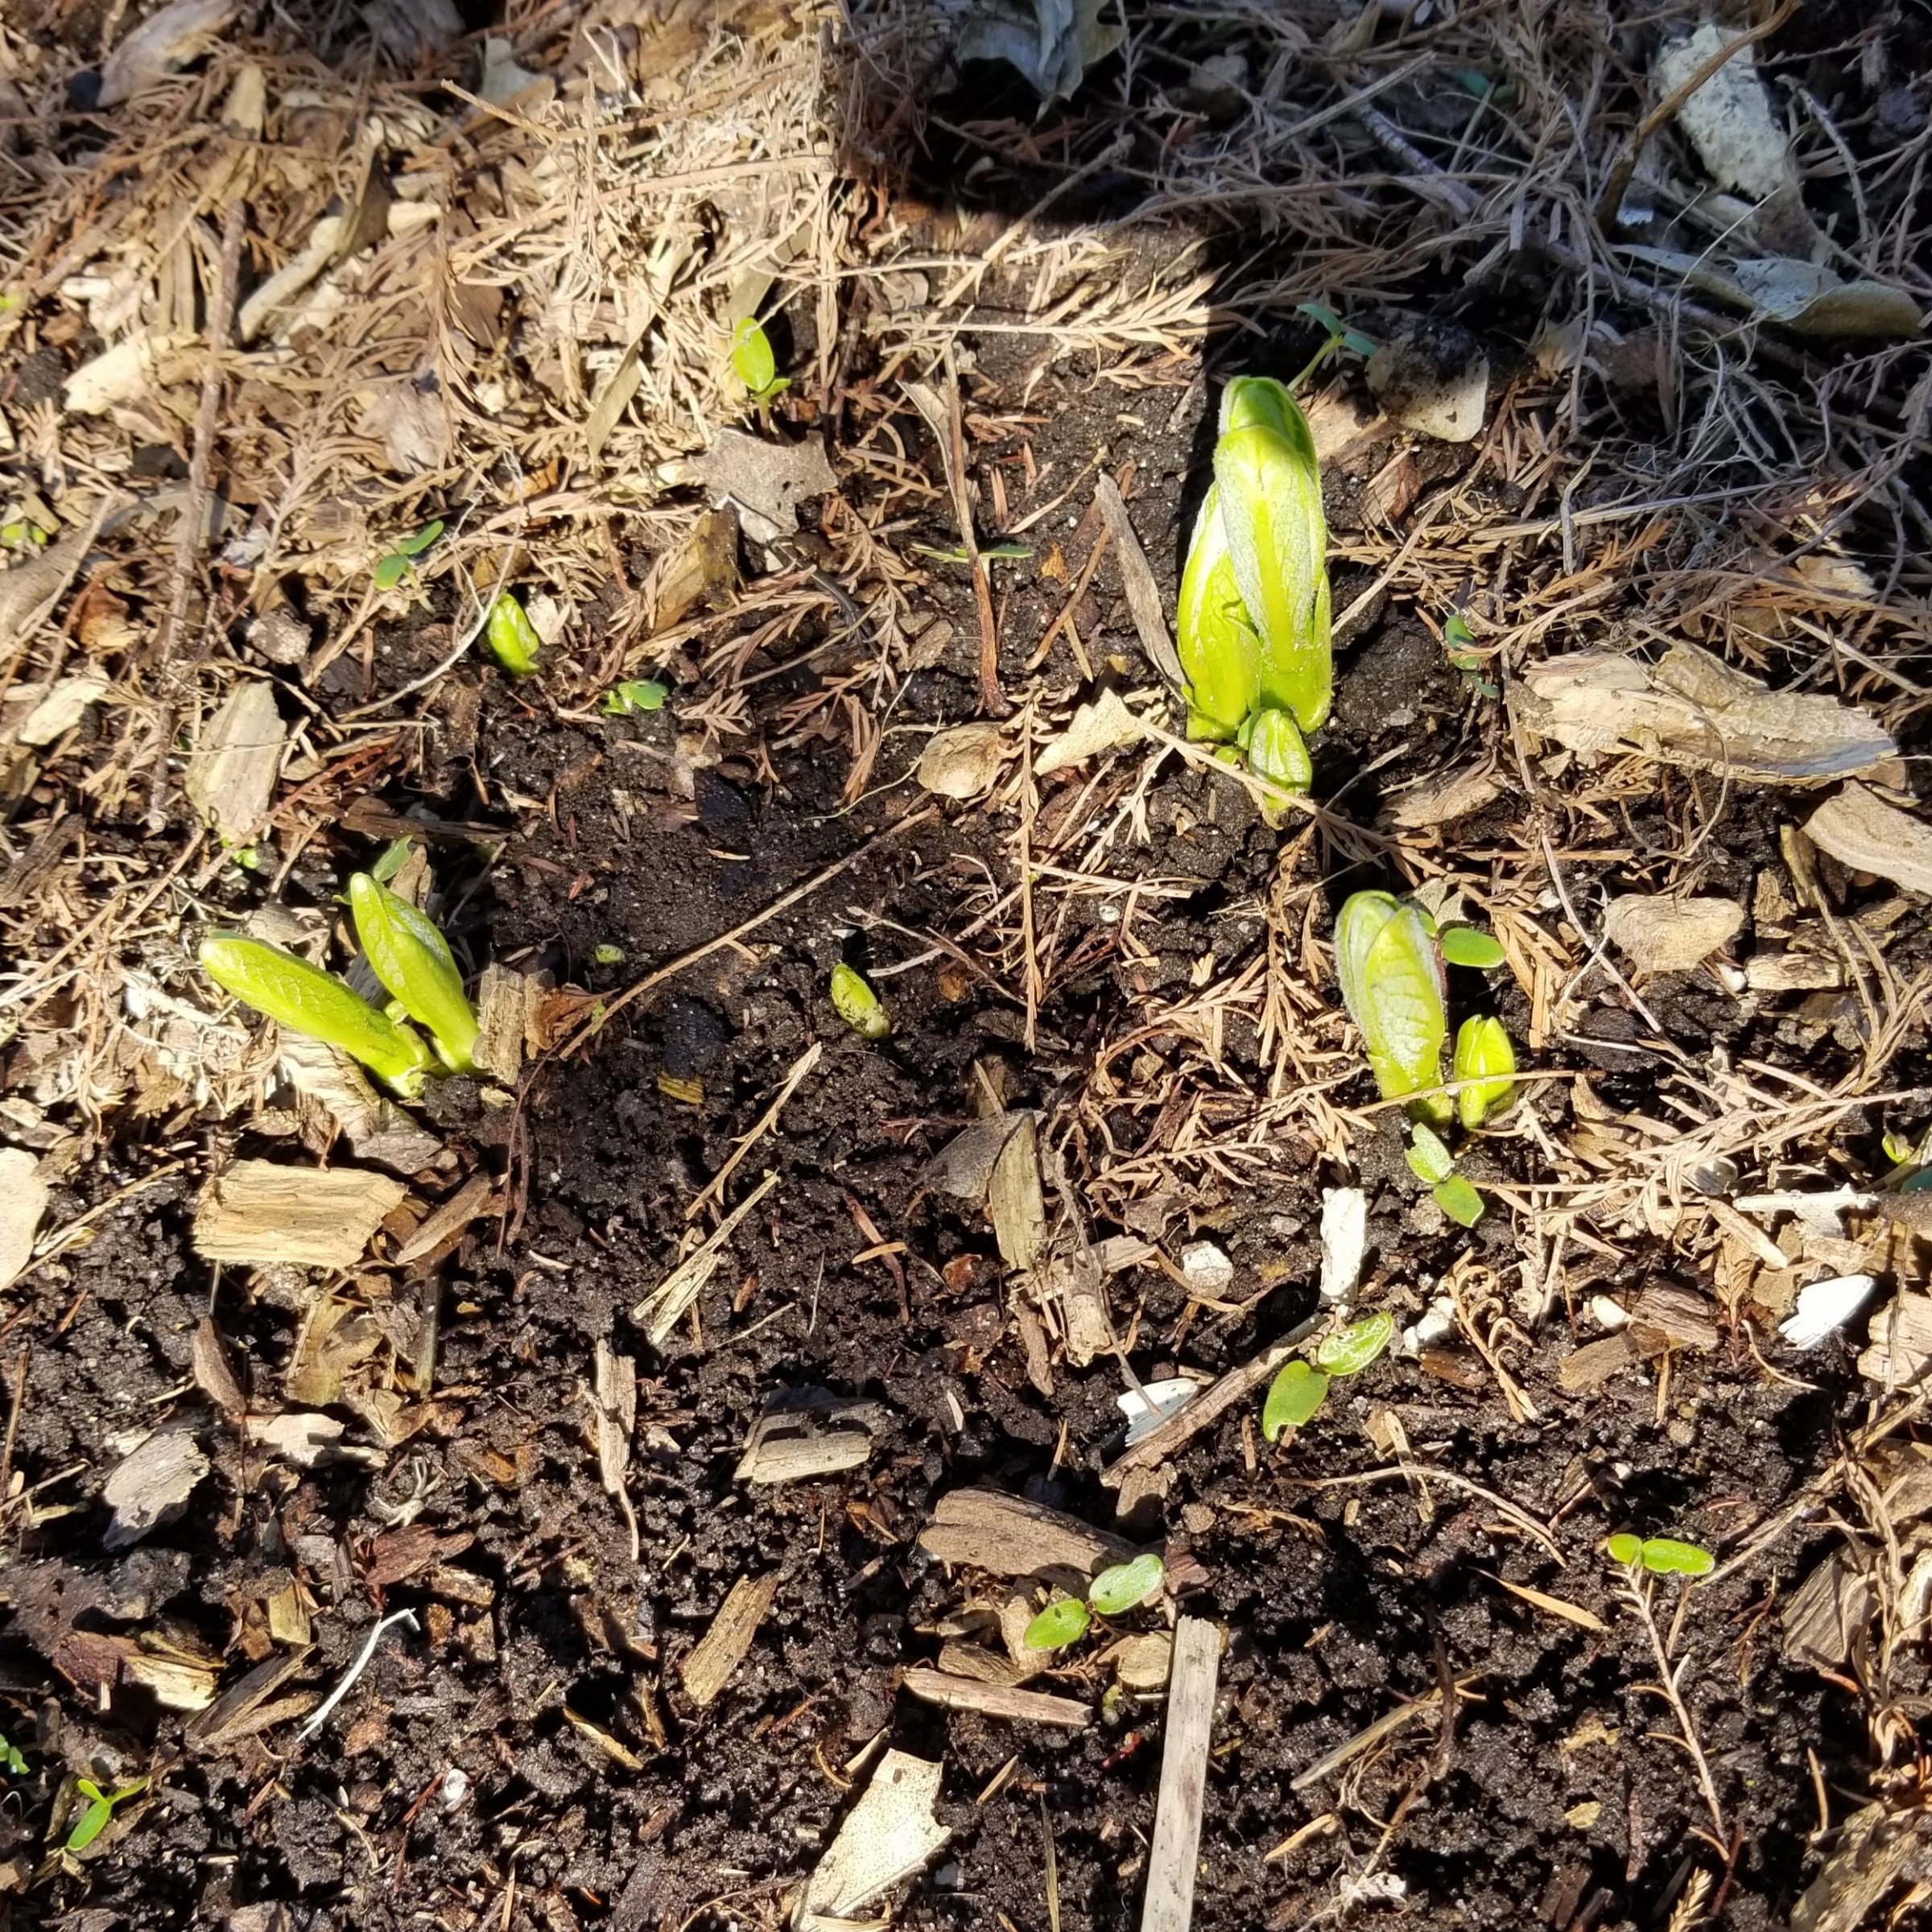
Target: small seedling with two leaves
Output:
[(756, 365), (400, 563), (10, 1759), (99, 1808), (634, 696), (1301, 1388), (1117, 1590), (1661, 1555)]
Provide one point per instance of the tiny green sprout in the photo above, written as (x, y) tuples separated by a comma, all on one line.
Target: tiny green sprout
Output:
[(391, 569), (1484, 1057), (512, 638), (391, 860), (1665, 1556), (1276, 752), (100, 1804), (306, 999), (757, 367), (1461, 642), (1459, 1200), (248, 857), (1429, 1160), (1624, 1548), (857, 1005), (1350, 1350), (1340, 334), (608, 955), (633, 695), (14, 534), (1125, 1586), (1063, 1622), (1465, 946), (10, 1759), (1897, 1151), (1012, 553), (1393, 985), (411, 958), (1293, 1397)]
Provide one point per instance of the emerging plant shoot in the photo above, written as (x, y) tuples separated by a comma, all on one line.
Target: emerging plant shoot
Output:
[(412, 959), (1393, 986)]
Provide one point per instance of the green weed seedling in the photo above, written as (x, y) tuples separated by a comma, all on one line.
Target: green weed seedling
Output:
[(100, 1804), (857, 1005), (10, 1759), (1350, 1350), (757, 367), (1661, 1555), (633, 696), (399, 563), (1294, 1396), (1125, 1586), (512, 638), (1063, 1622)]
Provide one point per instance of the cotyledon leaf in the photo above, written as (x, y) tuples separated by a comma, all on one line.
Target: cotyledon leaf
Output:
[(1221, 655), (411, 958), (1402, 1017)]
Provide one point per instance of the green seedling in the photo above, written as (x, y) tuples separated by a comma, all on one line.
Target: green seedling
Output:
[(1459, 1200), (412, 959), (1276, 752), (1465, 946), (1429, 1158), (100, 1804), (1220, 654), (1393, 985), (608, 955), (1012, 553), (857, 1005), (1063, 1622), (1459, 640), (1126, 1586), (1485, 1063), (512, 638), (391, 860), (757, 367), (306, 999), (1340, 334), (399, 563), (10, 1759), (1350, 1350), (633, 695), (1661, 1555), (1293, 1398)]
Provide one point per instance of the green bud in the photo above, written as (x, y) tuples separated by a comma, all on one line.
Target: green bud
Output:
[(1219, 653), (1275, 753), (413, 961), (857, 1005), (306, 999), (1270, 485), (1483, 1054), (513, 638), (1392, 985)]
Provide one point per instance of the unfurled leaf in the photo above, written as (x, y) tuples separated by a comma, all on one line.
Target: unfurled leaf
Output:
[(751, 356), (413, 546), (1483, 1055), (857, 1005), (1275, 753), (1624, 1548), (295, 994), (634, 695), (1270, 487), (1125, 1586), (1430, 1160), (1392, 985), (1664, 1556), (412, 959), (1293, 1397), (1220, 652), (1459, 1200), (1465, 946), (1350, 1350), (513, 638), (1063, 1622), (100, 1804), (390, 570)]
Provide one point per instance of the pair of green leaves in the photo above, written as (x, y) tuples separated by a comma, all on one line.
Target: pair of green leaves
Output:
[(407, 955), (756, 365), (1432, 1164), (1254, 615), (634, 696), (390, 570), (93, 1821), (1116, 1590), (1661, 1555), (1302, 1387)]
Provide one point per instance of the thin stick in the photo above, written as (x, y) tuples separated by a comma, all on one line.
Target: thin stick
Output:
[(319, 1715), (801, 1065), (992, 698), (1667, 1683), (1175, 1852), (13, 1419)]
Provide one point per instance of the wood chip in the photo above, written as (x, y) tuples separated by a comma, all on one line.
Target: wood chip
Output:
[(1144, 1662), (1586, 1369), (1008, 1536), (1659, 934), (1875, 1848), (231, 771), (982, 1664), (398, 1554), (1861, 830), (477, 1197), (996, 1700), (375, 1127), (1075, 1284), (1676, 1318), (1173, 1856), (662, 1310), (890, 1835), (1104, 725), (504, 1004), (964, 1167), (1442, 801), (1144, 598), (1014, 1198), (1900, 1349), (1236, 1387), (720, 1651), (1827, 1613), (151, 1485), (614, 1394), (23, 1197), (261, 1212), (805, 1433), (222, 1722), (212, 1375), (1792, 972)]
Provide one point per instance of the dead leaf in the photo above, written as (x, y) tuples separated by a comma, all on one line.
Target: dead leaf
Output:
[(164, 43), (23, 1197), (1554, 1606), (1692, 709), (1144, 600), (964, 1167), (1899, 1345), (151, 1485), (1861, 830), (1052, 42), (1102, 726), (375, 1127), (212, 1375), (260, 1212), (1804, 297), (703, 571), (232, 773), (764, 481), (890, 1835), (804, 1433), (963, 762), (1442, 801), (1659, 934), (722, 1648), (65, 704)]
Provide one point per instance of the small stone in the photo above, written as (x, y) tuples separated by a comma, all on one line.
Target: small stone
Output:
[(1209, 1272)]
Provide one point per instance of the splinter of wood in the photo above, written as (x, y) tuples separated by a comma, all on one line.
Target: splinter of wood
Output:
[(1177, 1818)]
